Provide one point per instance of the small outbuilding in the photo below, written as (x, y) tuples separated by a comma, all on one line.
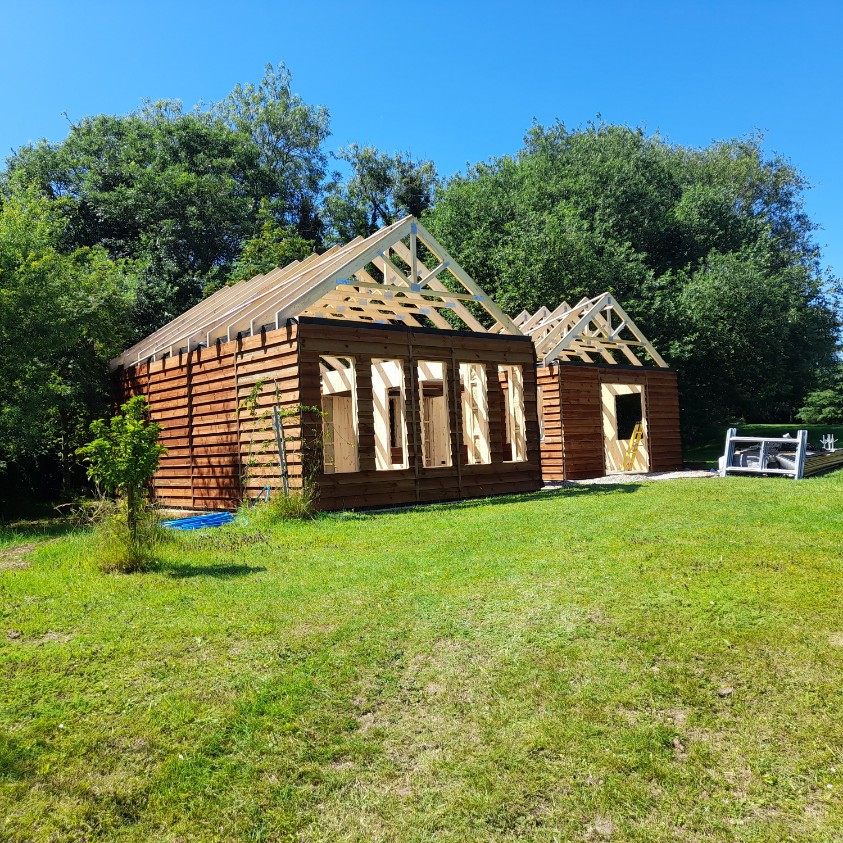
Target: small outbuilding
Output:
[(360, 369), (607, 401)]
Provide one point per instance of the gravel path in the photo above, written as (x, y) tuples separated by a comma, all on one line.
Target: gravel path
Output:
[(634, 478)]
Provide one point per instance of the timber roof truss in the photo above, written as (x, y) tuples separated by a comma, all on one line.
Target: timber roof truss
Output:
[(595, 330), (379, 279)]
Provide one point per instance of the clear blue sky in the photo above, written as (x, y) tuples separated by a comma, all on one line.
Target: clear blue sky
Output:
[(455, 82)]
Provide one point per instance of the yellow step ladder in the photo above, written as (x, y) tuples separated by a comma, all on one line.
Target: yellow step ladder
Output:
[(632, 448)]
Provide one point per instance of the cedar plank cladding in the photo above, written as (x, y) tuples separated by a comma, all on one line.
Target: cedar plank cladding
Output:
[(370, 488), (553, 468), (216, 456), (572, 445), (582, 422), (211, 447), (665, 441)]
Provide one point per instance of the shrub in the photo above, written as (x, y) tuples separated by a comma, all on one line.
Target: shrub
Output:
[(121, 460), (298, 505), (118, 550)]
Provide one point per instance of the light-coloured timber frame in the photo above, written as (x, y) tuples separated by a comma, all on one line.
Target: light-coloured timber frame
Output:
[(399, 289), (593, 328)]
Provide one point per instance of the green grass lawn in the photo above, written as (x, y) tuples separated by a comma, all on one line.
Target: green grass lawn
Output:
[(657, 662), (711, 449)]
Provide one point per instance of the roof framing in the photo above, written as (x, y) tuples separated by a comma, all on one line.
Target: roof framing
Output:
[(380, 279), (593, 328)]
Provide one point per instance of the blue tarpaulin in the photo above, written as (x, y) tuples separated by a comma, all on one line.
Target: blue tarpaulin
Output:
[(199, 522)]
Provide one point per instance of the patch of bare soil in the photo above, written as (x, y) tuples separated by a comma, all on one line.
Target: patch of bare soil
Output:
[(601, 829), (12, 558), (46, 638)]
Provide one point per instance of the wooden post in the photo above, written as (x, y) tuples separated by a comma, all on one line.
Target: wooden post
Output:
[(365, 414), (452, 377), (412, 407), (497, 428), (278, 427)]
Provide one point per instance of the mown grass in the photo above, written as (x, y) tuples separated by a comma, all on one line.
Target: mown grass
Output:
[(631, 662)]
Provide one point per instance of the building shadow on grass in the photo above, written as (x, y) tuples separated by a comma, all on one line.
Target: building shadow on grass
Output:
[(562, 492), (224, 571)]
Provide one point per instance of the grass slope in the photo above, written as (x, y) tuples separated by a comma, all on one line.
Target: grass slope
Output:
[(632, 662)]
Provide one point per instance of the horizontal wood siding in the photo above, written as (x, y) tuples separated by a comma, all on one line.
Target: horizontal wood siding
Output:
[(368, 487), (664, 430), (572, 447), (215, 454), (582, 422), (553, 467)]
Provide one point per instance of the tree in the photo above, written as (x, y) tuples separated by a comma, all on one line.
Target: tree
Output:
[(709, 250), (273, 246), (122, 458), (63, 314), (289, 136), (179, 193), (825, 405), (745, 334), (380, 189)]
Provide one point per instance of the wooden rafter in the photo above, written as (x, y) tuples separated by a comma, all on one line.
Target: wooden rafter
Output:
[(597, 326), (340, 283)]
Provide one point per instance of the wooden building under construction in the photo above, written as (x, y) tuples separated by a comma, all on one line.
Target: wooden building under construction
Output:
[(375, 360), (607, 401)]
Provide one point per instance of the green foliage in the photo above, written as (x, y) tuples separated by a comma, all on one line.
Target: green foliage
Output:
[(180, 192), (297, 505), (125, 451), (122, 458), (380, 189), (121, 548), (62, 315), (825, 405), (273, 246), (709, 250), (289, 136), (745, 334)]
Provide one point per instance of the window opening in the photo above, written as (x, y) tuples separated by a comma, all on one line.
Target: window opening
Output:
[(433, 404), (628, 413), (475, 413), (390, 424), (339, 415), (512, 383)]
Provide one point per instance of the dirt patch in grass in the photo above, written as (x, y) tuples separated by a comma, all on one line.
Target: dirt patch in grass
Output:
[(46, 638), (12, 558)]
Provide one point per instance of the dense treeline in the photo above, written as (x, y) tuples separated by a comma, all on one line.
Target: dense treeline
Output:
[(128, 221), (709, 250)]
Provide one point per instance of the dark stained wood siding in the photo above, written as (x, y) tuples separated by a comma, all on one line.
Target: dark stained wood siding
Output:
[(663, 420), (368, 487), (572, 447), (219, 449)]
